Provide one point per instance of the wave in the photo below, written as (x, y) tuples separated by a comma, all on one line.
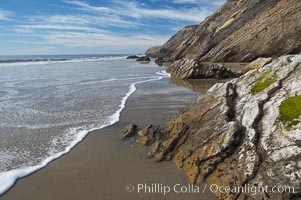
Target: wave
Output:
[(117, 79), (8, 178), (163, 73), (45, 61)]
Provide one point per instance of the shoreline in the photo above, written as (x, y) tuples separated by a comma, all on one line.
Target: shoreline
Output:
[(12, 176), (138, 104)]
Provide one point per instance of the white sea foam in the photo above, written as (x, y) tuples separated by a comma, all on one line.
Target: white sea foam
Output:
[(75, 60), (163, 73), (119, 79), (8, 178), (98, 81)]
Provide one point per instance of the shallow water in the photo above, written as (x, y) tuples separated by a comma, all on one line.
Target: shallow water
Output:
[(47, 107)]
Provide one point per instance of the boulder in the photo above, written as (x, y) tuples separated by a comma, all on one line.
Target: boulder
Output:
[(130, 131)]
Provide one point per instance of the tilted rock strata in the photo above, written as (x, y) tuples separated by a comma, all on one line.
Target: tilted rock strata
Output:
[(193, 69), (231, 137), (177, 43), (240, 31)]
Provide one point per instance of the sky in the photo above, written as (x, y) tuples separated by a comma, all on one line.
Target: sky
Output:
[(42, 27)]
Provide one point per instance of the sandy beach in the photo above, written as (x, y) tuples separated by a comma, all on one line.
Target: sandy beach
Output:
[(137, 100), (102, 165)]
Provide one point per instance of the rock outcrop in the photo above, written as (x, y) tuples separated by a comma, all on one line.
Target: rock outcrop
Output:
[(130, 131), (245, 132), (143, 59), (240, 31), (132, 57), (236, 135), (193, 69), (149, 135)]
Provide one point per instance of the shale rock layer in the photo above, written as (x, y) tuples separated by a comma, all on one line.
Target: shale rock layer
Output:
[(233, 137), (240, 31)]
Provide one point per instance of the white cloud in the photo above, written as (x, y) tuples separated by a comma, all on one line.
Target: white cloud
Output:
[(185, 1), (208, 2), (87, 6), (27, 51), (136, 10), (92, 28), (93, 39), (89, 40), (83, 19), (5, 15), (58, 27)]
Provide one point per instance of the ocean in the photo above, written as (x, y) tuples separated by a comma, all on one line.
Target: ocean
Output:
[(48, 104)]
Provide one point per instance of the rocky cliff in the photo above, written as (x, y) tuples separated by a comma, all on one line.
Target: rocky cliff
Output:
[(240, 31), (244, 132)]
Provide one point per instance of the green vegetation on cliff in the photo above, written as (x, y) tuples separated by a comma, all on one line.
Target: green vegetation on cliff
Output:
[(290, 110), (264, 81)]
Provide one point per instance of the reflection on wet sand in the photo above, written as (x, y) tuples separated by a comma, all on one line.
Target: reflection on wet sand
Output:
[(197, 85)]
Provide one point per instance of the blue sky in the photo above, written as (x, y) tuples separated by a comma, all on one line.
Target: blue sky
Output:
[(31, 27)]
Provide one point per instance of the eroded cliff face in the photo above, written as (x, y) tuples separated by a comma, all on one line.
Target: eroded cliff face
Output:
[(240, 31), (235, 134)]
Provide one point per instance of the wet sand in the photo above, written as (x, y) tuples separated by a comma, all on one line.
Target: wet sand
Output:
[(102, 165)]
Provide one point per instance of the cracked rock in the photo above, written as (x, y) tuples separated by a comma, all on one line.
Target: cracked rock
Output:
[(233, 137)]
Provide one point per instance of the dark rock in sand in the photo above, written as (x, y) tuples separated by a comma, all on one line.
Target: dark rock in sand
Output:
[(233, 136), (132, 57), (130, 131), (143, 59)]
